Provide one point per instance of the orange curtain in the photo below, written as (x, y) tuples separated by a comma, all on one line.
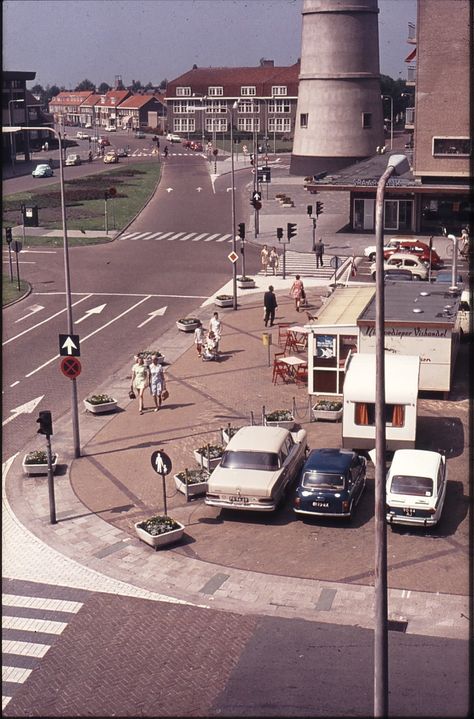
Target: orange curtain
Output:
[(398, 417), (361, 413)]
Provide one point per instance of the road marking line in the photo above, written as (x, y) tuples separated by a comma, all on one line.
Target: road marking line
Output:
[(211, 237), (166, 234), (129, 235), (199, 237), (15, 675), (140, 236), (86, 297), (187, 237), (27, 624), (175, 236), (56, 605), (24, 649), (15, 383), (224, 238)]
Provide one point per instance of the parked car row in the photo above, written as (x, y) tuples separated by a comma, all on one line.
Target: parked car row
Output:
[(411, 246)]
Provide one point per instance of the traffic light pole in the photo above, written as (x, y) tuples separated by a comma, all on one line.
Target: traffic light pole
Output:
[(52, 504)]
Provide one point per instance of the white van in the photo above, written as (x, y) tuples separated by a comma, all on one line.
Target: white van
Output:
[(464, 313)]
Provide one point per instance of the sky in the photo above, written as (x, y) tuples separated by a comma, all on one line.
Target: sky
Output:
[(66, 41)]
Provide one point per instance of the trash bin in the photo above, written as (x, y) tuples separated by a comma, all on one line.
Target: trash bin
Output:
[(30, 215)]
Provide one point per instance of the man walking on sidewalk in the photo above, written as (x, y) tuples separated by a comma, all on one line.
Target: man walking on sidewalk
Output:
[(270, 304), (319, 253)]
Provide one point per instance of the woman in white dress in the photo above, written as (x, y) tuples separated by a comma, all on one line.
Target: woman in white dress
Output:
[(140, 380), (157, 381)]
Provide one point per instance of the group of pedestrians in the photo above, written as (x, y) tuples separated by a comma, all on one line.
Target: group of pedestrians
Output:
[(207, 346), (151, 376), (270, 259)]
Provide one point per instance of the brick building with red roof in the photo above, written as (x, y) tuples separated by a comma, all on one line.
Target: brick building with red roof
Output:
[(139, 111)]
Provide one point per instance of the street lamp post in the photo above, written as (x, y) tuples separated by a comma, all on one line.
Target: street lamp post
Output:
[(389, 97), (67, 280), (397, 164)]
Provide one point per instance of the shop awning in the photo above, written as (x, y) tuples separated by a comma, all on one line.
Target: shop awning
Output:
[(411, 56)]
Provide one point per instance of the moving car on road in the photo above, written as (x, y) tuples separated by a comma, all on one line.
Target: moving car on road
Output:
[(42, 170), (73, 159), (416, 487), (122, 152), (82, 135), (256, 468), (173, 138), (111, 157), (404, 261), (331, 483), (139, 135)]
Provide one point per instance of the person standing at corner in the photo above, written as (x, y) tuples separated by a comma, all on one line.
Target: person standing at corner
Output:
[(264, 256), (140, 380), (296, 292), (157, 381), (274, 260), (319, 253), (215, 326), (270, 304)]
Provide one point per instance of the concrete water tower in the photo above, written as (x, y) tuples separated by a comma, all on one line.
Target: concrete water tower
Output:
[(339, 117)]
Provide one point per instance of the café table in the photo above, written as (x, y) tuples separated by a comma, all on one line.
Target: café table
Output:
[(292, 363), (299, 337)]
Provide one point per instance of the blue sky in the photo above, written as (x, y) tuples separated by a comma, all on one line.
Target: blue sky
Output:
[(65, 41)]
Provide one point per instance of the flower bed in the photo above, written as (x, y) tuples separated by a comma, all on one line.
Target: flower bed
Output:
[(100, 403), (148, 354), (195, 480), (159, 530), (188, 324), (280, 418), (224, 300), (327, 409), (36, 462), (213, 451), (245, 283)]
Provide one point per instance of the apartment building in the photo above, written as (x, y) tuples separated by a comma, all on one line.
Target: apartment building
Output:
[(20, 107), (65, 106)]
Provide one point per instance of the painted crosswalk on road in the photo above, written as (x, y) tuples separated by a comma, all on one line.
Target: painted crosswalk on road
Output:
[(304, 264), (179, 236)]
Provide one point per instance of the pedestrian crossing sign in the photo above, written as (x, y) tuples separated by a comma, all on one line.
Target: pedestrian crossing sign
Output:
[(233, 256)]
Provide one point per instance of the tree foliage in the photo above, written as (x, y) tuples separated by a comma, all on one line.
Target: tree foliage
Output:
[(85, 85), (103, 88)]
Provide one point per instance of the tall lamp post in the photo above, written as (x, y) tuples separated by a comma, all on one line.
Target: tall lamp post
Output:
[(232, 192), (389, 97), (397, 164), (67, 279)]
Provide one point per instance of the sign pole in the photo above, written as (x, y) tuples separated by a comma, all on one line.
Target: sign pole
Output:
[(163, 478), (10, 262), (52, 505), (17, 270)]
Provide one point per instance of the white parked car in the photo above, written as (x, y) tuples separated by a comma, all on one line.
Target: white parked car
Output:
[(173, 138), (111, 128), (370, 251), (82, 135), (256, 468), (73, 159), (404, 261), (416, 487)]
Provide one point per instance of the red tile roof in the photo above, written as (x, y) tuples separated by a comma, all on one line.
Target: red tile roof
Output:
[(117, 95), (91, 100), (233, 78), (70, 97), (136, 101)]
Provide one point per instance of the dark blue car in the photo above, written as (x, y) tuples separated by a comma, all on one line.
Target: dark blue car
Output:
[(331, 483)]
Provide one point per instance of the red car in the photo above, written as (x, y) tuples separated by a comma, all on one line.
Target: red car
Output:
[(196, 146), (104, 142), (420, 249)]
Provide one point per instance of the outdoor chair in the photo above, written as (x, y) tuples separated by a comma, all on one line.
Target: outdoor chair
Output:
[(280, 370), (282, 332)]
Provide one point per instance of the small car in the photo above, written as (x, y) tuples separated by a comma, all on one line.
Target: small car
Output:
[(196, 146), (396, 275), (187, 144), (404, 261), (88, 126), (111, 128), (103, 141), (173, 138), (82, 135), (331, 483), (122, 152), (418, 248), (257, 466), (447, 276), (111, 157), (42, 170), (73, 159), (139, 135), (416, 487)]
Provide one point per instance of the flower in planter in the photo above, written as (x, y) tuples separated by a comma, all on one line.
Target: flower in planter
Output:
[(215, 451), (39, 456), (100, 399), (148, 354), (245, 279), (193, 476), (159, 524), (188, 320), (328, 405), (280, 415), (224, 297)]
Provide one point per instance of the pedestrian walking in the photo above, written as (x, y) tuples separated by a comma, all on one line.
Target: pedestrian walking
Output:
[(215, 326), (274, 260), (199, 339), (210, 351), (270, 304), (157, 381), (296, 291), (319, 252), (140, 380), (264, 255), (165, 151)]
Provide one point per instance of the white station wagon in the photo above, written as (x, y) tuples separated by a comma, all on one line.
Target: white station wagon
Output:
[(416, 487), (256, 468)]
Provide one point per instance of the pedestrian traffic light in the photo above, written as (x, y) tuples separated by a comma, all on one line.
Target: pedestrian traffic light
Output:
[(8, 234), (290, 230), (45, 423), (279, 232), (319, 208), (242, 230), (309, 209)]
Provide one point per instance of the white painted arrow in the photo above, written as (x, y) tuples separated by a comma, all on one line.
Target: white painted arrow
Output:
[(93, 311), (69, 345), (26, 408), (169, 189), (199, 189), (32, 310), (152, 315)]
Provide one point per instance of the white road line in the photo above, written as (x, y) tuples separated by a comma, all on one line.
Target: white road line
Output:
[(199, 237), (175, 236), (46, 320), (211, 237), (129, 235), (187, 237), (24, 649), (165, 235), (55, 605), (15, 383), (147, 297), (155, 235), (140, 236), (224, 238), (26, 624), (15, 675)]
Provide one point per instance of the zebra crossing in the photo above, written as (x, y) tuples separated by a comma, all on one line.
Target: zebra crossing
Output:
[(33, 617), (176, 236), (155, 153), (304, 264)]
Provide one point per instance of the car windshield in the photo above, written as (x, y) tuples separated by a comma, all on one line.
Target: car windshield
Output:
[(267, 461), (418, 486), (326, 480)]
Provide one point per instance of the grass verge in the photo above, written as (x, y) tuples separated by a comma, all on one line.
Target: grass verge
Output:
[(10, 291)]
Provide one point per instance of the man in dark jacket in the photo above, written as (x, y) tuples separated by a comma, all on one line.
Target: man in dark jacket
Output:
[(270, 304)]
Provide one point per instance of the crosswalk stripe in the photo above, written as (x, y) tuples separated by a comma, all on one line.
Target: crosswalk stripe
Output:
[(141, 236), (24, 649), (176, 235), (187, 237), (211, 237), (33, 625), (165, 235), (154, 235), (58, 605), (129, 235), (199, 237), (15, 674), (224, 238)]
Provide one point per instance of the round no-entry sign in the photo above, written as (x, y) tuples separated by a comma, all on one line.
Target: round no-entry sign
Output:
[(71, 367)]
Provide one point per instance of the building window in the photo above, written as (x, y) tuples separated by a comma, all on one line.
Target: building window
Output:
[(183, 106), (304, 120), (181, 91), (216, 124), (248, 106), (215, 106), (215, 91), (451, 147), (248, 90), (248, 124), (279, 90), (184, 124), (279, 106), (366, 120), (279, 124)]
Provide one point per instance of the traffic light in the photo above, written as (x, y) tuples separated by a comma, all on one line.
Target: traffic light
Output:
[(256, 203), (319, 208), (279, 232), (45, 423), (290, 230), (309, 209), (8, 234), (242, 230)]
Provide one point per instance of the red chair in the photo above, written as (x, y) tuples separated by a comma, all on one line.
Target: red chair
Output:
[(282, 332), (280, 370), (291, 344), (301, 374)]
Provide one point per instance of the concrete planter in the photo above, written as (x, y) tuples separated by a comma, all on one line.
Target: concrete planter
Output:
[(187, 326), (100, 408), (202, 460), (193, 489), (33, 470), (227, 302), (285, 423), (246, 284), (331, 415), (160, 540)]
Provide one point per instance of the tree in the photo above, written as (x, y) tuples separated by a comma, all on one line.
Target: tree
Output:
[(85, 85), (135, 86), (163, 84), (103, 88), (52, 91)]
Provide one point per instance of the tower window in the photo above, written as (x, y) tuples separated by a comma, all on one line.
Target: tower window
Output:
[(304, 119), (366, 120)]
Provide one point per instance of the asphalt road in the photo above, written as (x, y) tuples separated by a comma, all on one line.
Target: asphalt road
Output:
[(115, 288)]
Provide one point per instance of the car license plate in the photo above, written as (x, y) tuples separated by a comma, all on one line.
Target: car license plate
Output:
[(409, 510), (239, 500), (324, 505)]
